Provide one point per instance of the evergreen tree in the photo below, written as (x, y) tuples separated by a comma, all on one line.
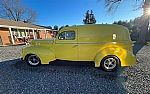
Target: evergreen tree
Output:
[(49, 27), (67, 26), (61, 27), (133, 26), (55, 27), (89, 18)]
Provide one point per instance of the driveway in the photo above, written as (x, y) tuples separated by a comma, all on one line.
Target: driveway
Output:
[(64, 77)]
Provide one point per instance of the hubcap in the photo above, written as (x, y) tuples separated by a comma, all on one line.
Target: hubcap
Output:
[(33, 60), (110, 63)]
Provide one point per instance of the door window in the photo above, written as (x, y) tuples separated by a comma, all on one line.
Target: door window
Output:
[(67, 35)]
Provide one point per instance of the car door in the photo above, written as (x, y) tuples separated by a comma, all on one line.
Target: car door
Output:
[(66, 45)]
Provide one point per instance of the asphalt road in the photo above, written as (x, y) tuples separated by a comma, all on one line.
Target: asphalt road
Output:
[(64, 77)]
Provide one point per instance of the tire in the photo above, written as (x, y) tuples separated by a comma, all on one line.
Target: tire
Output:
[(33, 60), (110, 63)]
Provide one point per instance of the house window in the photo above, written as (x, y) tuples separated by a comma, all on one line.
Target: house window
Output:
[(67, 35), (14, 31), (22, 33)]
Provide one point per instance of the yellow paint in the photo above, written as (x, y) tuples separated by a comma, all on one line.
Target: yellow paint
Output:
[(92, 43)]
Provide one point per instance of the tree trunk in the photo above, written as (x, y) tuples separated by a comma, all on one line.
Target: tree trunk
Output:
[(143, 25)]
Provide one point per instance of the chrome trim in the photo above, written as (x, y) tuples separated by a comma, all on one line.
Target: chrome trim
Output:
[(92, 42)]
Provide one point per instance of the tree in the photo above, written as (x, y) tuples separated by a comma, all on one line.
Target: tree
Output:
[(55, 27), (89, 18), (133, 27), (14, 10), (61, 27), (114, 4), (144, 21), (125, 23), (66, 25), (49, 27)]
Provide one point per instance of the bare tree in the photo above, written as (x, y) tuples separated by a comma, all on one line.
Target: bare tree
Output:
[(144, 23), (113, 4), (14, 10), (30, 16)]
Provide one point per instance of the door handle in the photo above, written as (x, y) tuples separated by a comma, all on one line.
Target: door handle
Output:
[(75, 45)]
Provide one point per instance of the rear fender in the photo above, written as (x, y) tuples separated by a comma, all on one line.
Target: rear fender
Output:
[(126, 57)]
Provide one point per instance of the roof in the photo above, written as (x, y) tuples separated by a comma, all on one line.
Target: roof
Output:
[(19, 24), (95, 25), (98, 26)]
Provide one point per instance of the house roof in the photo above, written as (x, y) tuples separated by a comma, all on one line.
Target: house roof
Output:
[(19, 24)]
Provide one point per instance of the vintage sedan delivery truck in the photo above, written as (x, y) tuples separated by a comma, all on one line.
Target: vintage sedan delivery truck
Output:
[(109, 46)]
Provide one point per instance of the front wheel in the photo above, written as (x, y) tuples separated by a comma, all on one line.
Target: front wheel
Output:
[(33, 60), (110, 63)]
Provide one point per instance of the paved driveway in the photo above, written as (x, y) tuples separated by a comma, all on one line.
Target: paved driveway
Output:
[(63, 77)]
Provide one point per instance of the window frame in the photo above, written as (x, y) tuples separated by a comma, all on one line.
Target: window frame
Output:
[(65, 35)]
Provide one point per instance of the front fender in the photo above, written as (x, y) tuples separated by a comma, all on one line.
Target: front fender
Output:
[(126, 57), (45, 54)]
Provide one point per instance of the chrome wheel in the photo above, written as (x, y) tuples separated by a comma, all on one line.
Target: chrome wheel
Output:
[(33, 60), (110, 63)]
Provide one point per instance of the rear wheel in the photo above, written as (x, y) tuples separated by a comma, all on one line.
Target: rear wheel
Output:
[(33, 60), (110, 63)]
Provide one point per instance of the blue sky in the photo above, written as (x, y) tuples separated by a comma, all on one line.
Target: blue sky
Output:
[(71, 12)]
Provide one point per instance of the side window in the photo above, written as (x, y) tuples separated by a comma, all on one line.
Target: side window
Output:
[(67, 35)]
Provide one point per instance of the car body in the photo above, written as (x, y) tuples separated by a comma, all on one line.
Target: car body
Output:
[(85, 43)]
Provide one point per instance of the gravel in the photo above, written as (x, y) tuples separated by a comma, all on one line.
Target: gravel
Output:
[(139, 75), (10, 52), (63, 77)]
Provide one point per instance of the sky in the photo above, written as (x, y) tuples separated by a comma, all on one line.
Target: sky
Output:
[(71, 12)]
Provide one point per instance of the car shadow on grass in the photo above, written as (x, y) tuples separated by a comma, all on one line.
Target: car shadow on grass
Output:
[(67, 76)]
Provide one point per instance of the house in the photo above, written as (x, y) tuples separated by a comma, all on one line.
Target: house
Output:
[(13, 32)]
